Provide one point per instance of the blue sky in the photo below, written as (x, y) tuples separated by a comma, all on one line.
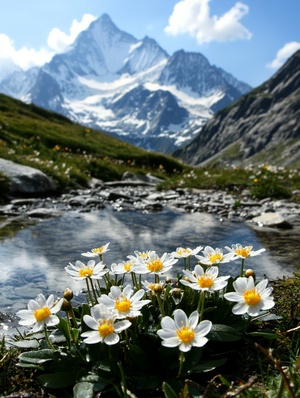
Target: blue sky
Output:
[(250, 39)]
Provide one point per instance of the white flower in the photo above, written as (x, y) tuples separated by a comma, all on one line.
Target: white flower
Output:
[(155, 264), (91, 270), (250, 299), (40, 313), (205, 281), (124, 303), (239, 251), (214, 256), (184, 331), (125, 267), (105, 329), (98, 251), (184, 253), (142, 256)]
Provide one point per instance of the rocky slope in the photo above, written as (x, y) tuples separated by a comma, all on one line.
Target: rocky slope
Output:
[(261, 126)]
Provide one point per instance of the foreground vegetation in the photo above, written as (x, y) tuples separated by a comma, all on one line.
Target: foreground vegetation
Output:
[(123, 342), (72, 154), (245, 356)]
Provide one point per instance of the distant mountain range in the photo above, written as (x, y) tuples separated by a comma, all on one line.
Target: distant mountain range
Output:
[(262, 126), (127, 87)]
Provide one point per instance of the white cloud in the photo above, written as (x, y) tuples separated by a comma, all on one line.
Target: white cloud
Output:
[(59, 41), (24, 57), (193, 17), (283, 54)]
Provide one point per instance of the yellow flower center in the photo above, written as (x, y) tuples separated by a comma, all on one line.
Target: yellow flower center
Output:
[(185, 334), (251, 297), (123, 305), (215, 257), (155, 265), (243, 251), (105, 328), (127, 266), (41, 313), (98, 250), (86, 272), (205, 281), (143, 254), (182, 251)]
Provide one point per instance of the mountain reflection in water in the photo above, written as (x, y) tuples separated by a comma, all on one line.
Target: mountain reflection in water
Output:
[(32, 259)]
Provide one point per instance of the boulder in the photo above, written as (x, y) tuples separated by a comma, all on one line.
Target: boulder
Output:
[(25, 179), (271, 220)]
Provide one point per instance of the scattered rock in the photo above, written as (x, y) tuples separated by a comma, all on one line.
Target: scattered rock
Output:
[(25, 179), (271, 220), (137, 192)]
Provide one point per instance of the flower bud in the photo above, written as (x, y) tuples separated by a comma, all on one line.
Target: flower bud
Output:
[(176, 293), (68, 294), (66, 305), (249, 272)]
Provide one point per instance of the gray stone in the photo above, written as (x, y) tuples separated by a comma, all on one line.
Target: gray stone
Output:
[(271, 220), (25, 179)]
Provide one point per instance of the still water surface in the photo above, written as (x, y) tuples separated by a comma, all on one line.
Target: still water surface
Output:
[(32, 258)]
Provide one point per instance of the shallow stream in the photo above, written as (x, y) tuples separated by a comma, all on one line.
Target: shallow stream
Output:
[(33, 255)]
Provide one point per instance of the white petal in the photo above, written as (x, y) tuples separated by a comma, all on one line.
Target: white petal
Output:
[(199, 271), (168, 323), (233, 296), (167, 334), (91, 337), (50, 301), (180, 318), (112, 338), (240, 308), (172, 342), (185, 347), (57, 306), (203, 328), (241, 284), (121, 325), (193, 319), (90, 322), (26, 314), (199, 341), (52, 320)]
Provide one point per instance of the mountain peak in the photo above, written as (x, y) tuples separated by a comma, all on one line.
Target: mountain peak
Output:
[(107, 69)]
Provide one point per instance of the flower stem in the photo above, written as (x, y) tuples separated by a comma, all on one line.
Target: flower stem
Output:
[(89, 291), (242, 267), (200, 308), (160, 303), (181, 362), (47, 338)]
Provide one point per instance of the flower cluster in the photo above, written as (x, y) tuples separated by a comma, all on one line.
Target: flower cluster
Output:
[(138, 297)]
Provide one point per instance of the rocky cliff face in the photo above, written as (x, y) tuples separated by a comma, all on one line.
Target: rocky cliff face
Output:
[(261, 126)]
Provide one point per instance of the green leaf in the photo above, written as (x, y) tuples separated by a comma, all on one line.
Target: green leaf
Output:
[(99, 382), (266, 335), (83, 390), (26, 344), (29, 366), (207, 366), (223, 333), (38, 357), (63, 327), (58, 380), (168, 390)]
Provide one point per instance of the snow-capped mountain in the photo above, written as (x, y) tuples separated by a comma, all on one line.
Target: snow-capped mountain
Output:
[(127, 87)]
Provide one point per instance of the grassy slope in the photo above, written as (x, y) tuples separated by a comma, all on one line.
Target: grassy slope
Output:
[(70, 153)]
